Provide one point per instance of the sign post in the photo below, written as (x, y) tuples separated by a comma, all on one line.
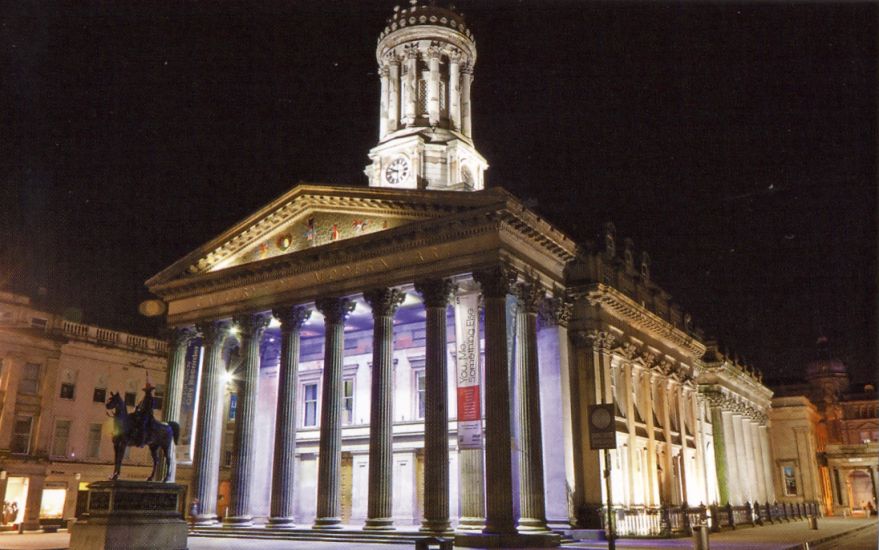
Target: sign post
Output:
[(603, 436)]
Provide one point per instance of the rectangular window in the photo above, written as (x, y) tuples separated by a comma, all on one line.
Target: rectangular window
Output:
[(93, 449), (159, 397), (310, 416), (39, 322), (347, 401), (60, 438), (67, 390), (790, 480), (30, 379), (100, 395), (130, 399), (233, 406), (21, 434), (419, 394)]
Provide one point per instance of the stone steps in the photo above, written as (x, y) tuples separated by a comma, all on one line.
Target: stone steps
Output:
[(306, 534)]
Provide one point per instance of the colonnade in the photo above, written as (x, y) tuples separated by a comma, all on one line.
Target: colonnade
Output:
[(495, 284), (742, 452), (400, 75)]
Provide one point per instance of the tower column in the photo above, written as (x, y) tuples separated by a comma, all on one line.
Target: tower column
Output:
[(532, 507), (767, 461), (435, 293), (384, 74), (410, 84), (384, 303), (758, 477), (730, 447), (335, 311), (393, 99), (455, 90), (433, 85), (251, 328), (206, 459), (495, 283), (284, 463), (652, 479), (466, 115)]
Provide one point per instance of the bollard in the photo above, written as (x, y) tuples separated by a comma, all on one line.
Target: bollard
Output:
[(813, 522), (700, 537)]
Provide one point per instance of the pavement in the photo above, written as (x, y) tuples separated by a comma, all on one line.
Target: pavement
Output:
[(832, 533)]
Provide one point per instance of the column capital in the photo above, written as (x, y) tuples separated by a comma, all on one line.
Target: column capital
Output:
[(530, 296), (251, 325), (291, 317), (179, 336), (391, 58), (384, 71), (467, 68), (410, 51), (213, 332), (557, 310), (436, 292), (384, 301), (335, 310), (455, 55), (495, 282), (599, 340)]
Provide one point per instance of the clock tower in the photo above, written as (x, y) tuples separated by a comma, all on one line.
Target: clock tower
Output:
[(426, 56)]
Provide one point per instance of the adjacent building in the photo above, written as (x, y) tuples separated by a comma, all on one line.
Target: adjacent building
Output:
[(55, 378)]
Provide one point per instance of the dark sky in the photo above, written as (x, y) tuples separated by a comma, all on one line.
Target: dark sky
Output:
[(735, 143)]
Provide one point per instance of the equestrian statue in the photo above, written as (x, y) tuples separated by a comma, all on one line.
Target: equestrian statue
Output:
[(141, 428)]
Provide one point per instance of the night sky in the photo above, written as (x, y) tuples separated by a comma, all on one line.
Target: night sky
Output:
[(735, 143)]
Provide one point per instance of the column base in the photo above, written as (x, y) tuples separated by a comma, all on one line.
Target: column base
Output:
[(327, 523), (238, 521), (436, 526), (470, 523), (500, 528), (379, 524), (532, 525), (205, 519), (281, 523)]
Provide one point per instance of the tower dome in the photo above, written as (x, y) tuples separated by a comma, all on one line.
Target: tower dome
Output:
[(426, 55), (827, 375)]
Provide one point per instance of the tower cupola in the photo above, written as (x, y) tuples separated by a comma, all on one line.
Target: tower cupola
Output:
[(426, 56)]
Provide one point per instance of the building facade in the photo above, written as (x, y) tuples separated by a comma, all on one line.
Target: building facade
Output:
[(422, 352), (55, 378), (833, 425)]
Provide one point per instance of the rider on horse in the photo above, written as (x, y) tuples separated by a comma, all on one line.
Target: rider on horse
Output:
[(143, 415)]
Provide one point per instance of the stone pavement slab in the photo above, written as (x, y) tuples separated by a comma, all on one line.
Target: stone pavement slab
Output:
[(782, 536)]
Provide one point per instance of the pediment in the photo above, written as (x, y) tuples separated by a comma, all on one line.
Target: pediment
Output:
[(312, 216)]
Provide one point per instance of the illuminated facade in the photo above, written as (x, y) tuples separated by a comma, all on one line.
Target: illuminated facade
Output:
[(421, 353), (55, 377), (826, 438)]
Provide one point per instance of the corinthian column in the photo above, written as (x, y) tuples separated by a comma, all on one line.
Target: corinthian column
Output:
[(496, 283), (393, 92), (455, 90), (532, 508), (384, 303), (177, 342), (433, 85), (383, 72), (435, 293), (251, 328), (335, 311), (284, 464), (466, 118), (410, 84), (206, 461)]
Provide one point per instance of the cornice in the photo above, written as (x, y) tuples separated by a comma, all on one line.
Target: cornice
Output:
[(621, 306)]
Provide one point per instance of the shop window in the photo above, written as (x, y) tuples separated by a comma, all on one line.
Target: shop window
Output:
[(93, 448), (348, 401), (100, 395), (310, 402), (30, 379), (21, 435), (130, 399), (789, 480), (67, 390), (60, 438), (419, 394), (52, 503)]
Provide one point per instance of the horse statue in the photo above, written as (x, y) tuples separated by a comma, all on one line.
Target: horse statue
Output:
[(139, 429)]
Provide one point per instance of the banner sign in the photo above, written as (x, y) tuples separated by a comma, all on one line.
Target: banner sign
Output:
[(468, 374), (189, 399)]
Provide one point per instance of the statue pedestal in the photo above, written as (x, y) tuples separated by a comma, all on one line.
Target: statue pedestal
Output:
[(131, 515)]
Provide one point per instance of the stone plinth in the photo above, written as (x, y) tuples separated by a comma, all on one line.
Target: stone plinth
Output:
[(131, 515)]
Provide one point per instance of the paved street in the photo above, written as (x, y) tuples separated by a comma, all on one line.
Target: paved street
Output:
[(774, 537)]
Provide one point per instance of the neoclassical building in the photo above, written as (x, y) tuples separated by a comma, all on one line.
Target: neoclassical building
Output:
[(422, 352)]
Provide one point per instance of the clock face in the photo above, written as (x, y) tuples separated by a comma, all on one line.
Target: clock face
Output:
[(397, 171)]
